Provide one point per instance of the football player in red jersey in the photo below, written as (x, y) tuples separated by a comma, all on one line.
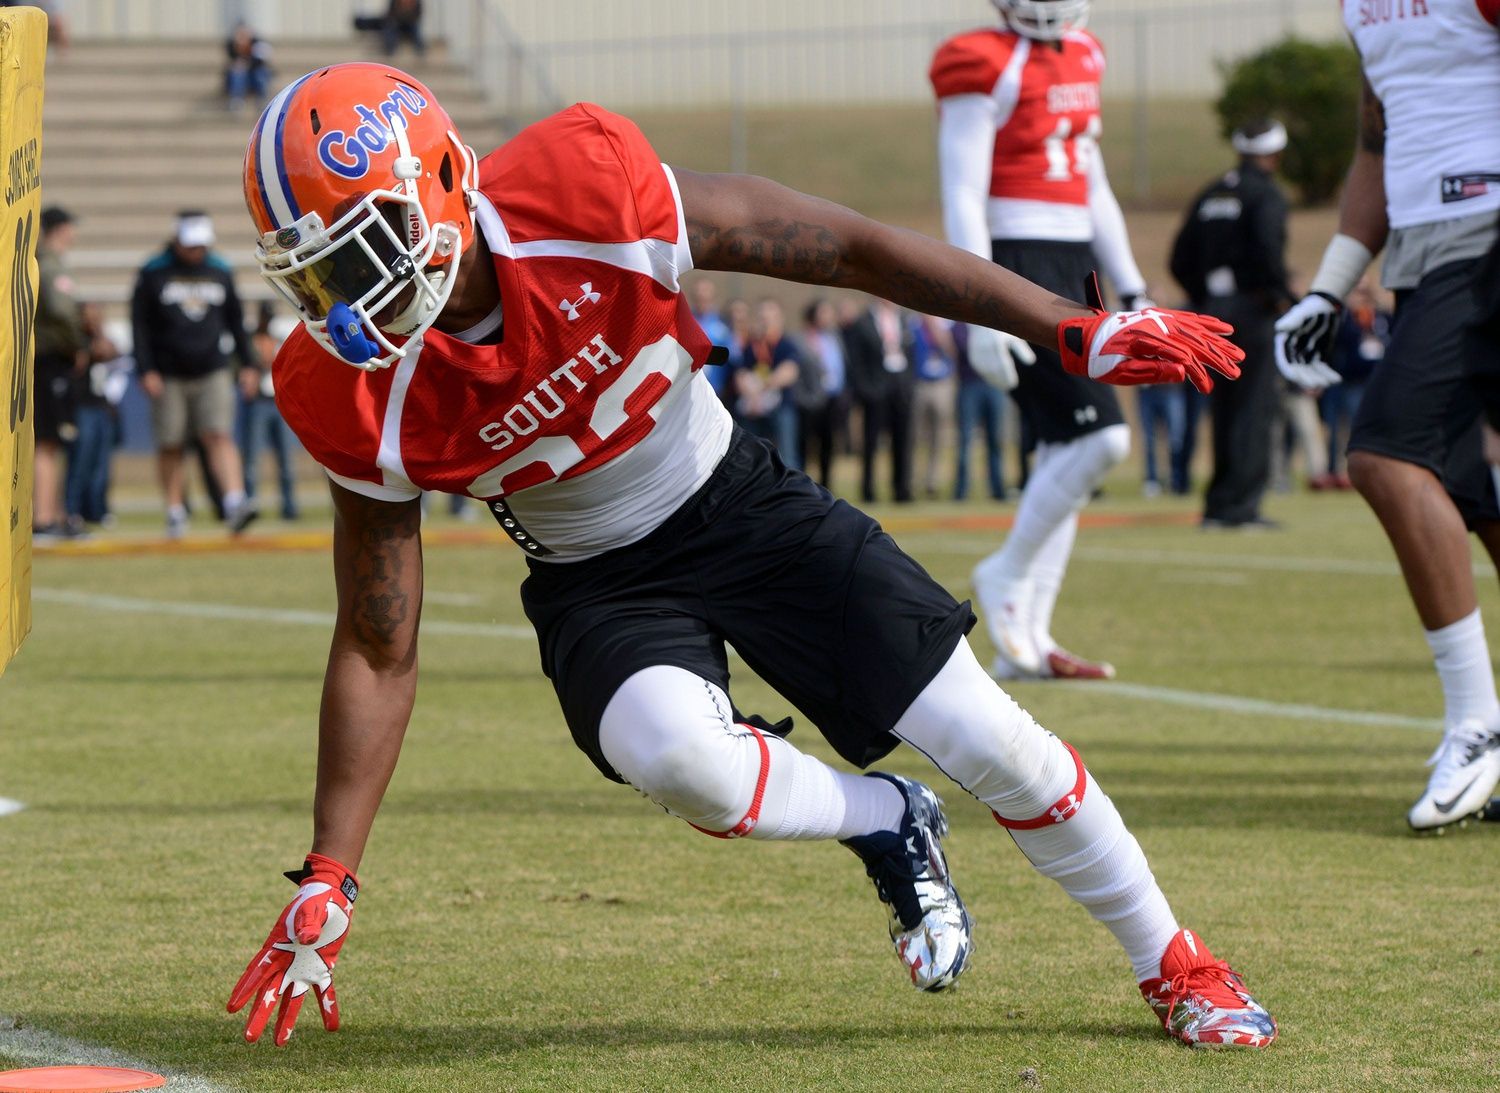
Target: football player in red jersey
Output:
[(519, 334), (1425, 187), (1023, 184)]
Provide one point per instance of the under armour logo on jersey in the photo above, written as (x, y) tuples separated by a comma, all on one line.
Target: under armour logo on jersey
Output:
[(571, 306)]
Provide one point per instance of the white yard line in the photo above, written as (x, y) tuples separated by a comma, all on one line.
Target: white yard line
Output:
[(37, 1047), (451, 599), (1166, 559), (1203, 700), (1257, 707), (9, 806), (220, 612)]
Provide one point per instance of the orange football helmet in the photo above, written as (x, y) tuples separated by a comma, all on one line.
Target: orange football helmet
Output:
[(362, 195)]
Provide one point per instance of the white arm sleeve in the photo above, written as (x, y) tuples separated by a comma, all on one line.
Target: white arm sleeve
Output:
[(966, 154), (1111, 242)]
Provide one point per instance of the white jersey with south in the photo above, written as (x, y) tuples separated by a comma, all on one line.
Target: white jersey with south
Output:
[(1023, 184), (549, 413)]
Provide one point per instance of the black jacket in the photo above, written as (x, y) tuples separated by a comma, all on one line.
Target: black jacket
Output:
[(864, 360), (1237, 223), (179, 315)]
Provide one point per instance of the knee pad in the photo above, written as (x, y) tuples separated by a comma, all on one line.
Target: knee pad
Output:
[(714, 782), (976, 734), (671, 735), (1060, 811)]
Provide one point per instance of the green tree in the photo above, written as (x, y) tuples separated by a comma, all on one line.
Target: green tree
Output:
[(1313, 89)]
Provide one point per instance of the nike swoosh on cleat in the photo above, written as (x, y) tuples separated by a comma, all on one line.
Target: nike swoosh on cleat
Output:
[(1448, 806)]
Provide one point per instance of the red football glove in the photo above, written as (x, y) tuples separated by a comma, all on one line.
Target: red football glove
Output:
[(1154, 345), (300, 951)]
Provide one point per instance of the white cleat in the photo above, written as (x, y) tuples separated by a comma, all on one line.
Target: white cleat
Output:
[(1006, 604), (1466, 770)]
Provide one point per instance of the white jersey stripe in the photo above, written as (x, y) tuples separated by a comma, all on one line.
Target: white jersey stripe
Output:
[(653, 257), (684, 261), (1007, 92), (374, 490), (390, 460)]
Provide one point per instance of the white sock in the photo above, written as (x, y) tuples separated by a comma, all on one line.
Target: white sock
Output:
[(977, 735), (233, 500), (1047, 578), (870, 805), (1463, 666), (805, 798), (1099, 863), (1062, 481)]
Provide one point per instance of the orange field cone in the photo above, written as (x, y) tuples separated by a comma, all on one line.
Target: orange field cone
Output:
[(78, 1079)]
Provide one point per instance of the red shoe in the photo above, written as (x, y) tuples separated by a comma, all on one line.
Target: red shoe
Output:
[(1065, 665), (1202, 1001)]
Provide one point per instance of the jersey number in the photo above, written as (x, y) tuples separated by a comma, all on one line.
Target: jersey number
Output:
[(1085, 147)]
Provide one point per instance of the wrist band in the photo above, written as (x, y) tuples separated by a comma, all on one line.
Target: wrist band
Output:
[(1344, 263)]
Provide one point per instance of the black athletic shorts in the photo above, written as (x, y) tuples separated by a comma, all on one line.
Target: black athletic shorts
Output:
[(1059, 406), (813, 596), (1418, 405), (53, 398)]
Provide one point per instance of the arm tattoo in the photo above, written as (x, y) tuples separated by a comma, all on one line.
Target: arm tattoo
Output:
[(1371, 121), (379, 604), (792, 250), (941, 296)]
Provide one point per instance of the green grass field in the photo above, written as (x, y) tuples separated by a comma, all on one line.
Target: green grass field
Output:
[(527, 925)]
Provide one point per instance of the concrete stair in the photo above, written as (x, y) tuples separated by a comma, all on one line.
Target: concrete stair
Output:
[(134, 132)]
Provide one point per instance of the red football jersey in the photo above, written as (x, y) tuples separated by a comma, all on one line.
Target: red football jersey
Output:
[(588, 240), (1048, 125)]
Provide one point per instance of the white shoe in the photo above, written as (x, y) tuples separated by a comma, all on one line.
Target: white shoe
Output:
[(177, 523), (1466, 769), (1006, 603)]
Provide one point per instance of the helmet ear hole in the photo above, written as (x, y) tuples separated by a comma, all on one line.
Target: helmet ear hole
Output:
[(316, 124), (445, 173)]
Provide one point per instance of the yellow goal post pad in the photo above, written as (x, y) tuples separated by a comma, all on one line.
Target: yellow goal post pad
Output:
[(23, 55)]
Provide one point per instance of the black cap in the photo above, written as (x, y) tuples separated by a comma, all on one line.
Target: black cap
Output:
[(55, 216)]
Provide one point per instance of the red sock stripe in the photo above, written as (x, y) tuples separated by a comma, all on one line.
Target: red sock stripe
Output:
[(1066, 805), (752, 816)]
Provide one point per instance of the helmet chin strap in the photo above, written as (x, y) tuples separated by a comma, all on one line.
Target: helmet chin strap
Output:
[(424, 307)]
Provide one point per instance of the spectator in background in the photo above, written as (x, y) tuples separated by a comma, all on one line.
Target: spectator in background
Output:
[(935, 398), (403, 19), (61, 356), (1363, 335), (980, 403), (183, 310), (1295, 429), (822, 389), (247, 72), (1165, 405), (87, 488), (259, 424), (762, 377), (1229, 257), (705, 305), (879, 345)]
